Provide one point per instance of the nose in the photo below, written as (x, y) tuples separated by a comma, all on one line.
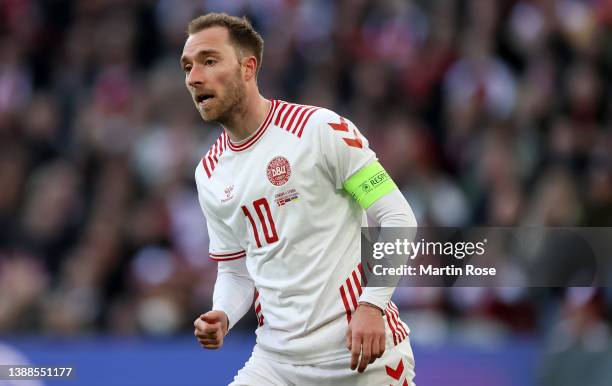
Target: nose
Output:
[(196, 76)]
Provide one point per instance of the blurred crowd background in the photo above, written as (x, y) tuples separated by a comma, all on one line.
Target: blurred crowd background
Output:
[(485, 112)]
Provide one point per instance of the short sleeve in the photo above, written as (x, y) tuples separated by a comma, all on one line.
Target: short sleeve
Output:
[(343, 149), (223, 244)]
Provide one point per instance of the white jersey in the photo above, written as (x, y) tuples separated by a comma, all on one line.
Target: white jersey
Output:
[(276, 200)]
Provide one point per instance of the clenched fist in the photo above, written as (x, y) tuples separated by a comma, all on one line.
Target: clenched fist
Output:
[(211, 328)]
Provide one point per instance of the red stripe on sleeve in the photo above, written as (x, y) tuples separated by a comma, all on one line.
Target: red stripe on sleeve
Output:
[(299, 133), (214, 151), (211, 162), (400, 331), (219, 148), (227, 256), (351, 292), (363, 276), (287, 115), (205, 167), (391, 327), (400, 324), (301, 117), (346, 304), (295, 114), (280, 112), (357, 284)]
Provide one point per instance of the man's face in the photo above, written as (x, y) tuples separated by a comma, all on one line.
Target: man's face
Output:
[(213, 74)]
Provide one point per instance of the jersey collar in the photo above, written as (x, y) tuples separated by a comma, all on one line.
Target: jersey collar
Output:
[(257, 134)]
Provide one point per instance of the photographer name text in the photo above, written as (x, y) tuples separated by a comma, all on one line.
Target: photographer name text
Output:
[(430, 270)]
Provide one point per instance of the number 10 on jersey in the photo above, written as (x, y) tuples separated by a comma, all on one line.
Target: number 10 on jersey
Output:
[(267, 223)]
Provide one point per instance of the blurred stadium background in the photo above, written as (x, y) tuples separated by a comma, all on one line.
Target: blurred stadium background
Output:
[(485, 112)]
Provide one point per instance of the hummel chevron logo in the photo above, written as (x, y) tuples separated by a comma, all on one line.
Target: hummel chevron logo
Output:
[(343, 126), (397, 372)]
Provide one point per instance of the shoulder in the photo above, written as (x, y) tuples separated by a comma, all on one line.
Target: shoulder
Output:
[(326, 119), (298, 119), (207, 165), (305, 120), (324, 122)]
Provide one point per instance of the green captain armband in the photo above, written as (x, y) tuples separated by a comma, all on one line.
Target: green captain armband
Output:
[(369, 184)]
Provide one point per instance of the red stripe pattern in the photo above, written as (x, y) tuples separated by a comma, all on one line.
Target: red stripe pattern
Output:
[(257, 307), (293, 117), (258, 133), (227, 256), (211, 159), (399, 330), (350, 291)]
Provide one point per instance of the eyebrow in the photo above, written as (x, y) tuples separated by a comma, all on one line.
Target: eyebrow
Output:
[(205, 52)]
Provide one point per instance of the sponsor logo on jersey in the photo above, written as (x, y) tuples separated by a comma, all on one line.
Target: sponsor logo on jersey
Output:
[(279, 171), (286, 197), (229, 194)]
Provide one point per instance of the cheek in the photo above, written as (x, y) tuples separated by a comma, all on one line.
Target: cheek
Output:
[(223, 77)]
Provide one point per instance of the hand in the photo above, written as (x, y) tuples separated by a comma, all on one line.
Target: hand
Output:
[(211, 328), (366, 336)]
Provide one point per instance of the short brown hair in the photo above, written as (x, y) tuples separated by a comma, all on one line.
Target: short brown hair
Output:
[(241, 32)]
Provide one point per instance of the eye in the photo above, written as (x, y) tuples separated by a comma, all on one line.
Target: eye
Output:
[(187, 68), (210, 62)]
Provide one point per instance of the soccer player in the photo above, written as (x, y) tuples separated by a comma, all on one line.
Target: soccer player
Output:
[(285, 190)]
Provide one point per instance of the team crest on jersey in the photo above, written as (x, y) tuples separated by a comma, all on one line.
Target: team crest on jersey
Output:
[(279, 171)]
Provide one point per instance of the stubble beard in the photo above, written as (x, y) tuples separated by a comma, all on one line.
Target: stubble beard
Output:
[(230, 106)]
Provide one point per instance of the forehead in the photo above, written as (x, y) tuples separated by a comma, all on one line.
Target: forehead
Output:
[(213, 39)]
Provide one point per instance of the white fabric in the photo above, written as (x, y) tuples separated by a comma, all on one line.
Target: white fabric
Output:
[(234, 290), (262, 371), (308, 278), (391, 210)]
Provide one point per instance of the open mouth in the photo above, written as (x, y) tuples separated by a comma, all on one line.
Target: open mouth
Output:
[(203, 99)]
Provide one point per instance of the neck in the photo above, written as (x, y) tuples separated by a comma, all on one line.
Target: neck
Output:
[(248, 120)]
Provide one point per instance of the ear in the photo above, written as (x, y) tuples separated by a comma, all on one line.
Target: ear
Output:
[(249, 64)]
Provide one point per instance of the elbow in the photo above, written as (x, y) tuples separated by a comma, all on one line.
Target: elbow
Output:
[(411, 220)]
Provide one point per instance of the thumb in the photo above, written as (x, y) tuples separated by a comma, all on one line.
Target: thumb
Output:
[(210, 317)]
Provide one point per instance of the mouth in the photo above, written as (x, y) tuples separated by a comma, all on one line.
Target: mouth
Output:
[(204, 99)]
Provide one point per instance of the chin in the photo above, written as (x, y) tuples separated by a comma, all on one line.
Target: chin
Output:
[(207, 116)]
